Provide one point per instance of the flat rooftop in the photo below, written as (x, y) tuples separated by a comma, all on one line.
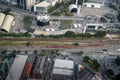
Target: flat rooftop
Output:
[(63, 67), (68, 64), (17, 67)]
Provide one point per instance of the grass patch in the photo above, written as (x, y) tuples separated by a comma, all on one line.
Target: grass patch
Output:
[(28, 21), (65, 23)]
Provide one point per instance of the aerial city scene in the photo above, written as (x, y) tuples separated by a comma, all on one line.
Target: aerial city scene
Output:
[(59, 39)]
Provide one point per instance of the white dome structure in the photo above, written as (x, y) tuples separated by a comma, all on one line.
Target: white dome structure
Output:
[(73, 8)]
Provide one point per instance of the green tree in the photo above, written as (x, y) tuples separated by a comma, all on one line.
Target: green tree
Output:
[(100, 33), (1, 73), (103, 19), (4, 52), (86, 59), (70, 34), (117, 61), (35, 52), (110, 72), (118, 16)]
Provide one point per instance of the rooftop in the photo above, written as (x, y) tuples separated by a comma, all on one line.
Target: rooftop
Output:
[(43, 4), (68, 64), (17, 67)]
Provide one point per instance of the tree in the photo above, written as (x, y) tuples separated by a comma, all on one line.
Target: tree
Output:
[(70, 34), (117, 77), (4, 52), (86, 59), (103, 19), (118, 16), (117, 61), (28, 44), (100, 33), (35, 52), (43, 52), (110, 72), (76, 43), (1, 73)]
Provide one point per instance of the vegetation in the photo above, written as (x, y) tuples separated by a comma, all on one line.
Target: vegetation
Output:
[(7, 11), (110, 72), (103, 19), (118, 16), (92, 63), (28, 21), (35, 52), (112, 6), (76, 43), (14, 52), (43, 53), (117, 77), (4, 51), (15, 35), (117, 61), (79, 53), (70, 34), (1, 73), (100, 34)]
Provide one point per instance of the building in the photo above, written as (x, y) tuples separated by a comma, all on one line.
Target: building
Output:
[(2, 17), (27, 4), (6, 22), (43, 20), (17, 67), (38, 67), (63, 70), (85, 73), (30, 4), (94, 3), (42, 7), (93, 27)]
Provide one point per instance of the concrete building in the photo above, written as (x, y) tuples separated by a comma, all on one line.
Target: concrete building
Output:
[(30, 4), (2, 17), (94, 3), (62, 70), (17, 67), (42, 7), (27, 4), (6, 25)]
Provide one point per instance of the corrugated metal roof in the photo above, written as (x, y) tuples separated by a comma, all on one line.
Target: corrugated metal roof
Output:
[(17, 67), (7, 23), (2, 16)]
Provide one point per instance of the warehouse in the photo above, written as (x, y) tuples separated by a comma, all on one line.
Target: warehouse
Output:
[(6, 25), (17, 67), (63, 70), (2, 17)]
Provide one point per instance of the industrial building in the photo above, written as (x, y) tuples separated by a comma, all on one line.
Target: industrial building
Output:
[(2, 17), (85, 73), (39, 67), (17, 67), (62, 70), (6, 22), (42, 7)]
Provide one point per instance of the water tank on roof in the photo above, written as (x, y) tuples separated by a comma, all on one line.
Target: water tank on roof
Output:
[(73, 8)]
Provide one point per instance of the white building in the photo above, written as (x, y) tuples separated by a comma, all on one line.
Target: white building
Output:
[(94, 3), (42, 7), (63, 69), (17, 67)]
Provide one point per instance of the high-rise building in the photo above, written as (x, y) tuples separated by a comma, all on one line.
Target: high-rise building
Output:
[(27, 4)]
